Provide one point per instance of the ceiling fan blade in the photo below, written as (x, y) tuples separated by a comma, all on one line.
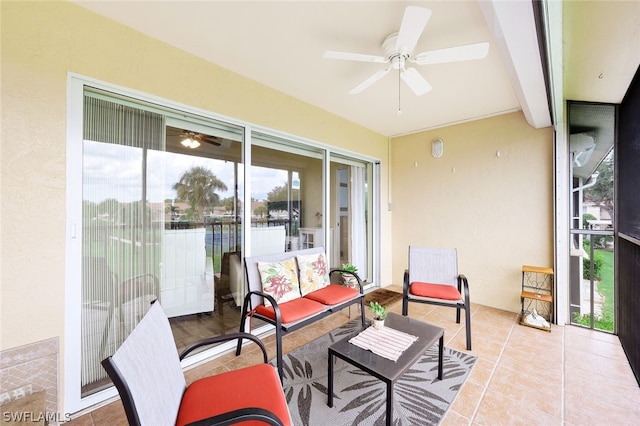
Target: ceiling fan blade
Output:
[(453, 54), (332, 54), (210, 139), (415, 81), (369, 81), (413, 23)]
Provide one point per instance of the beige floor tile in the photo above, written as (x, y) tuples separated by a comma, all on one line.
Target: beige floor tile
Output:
[(455, 419), (593, 334), (594, 345), (553, 339), (420, 310), (495, 318), (482, 372), (596, 413), (527, 389), (499, 409), (487, 349), (583, 389), (595, 364), (483, 330), (468, 399)]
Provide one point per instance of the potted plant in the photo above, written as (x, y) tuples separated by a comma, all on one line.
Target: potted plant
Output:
[(346, 272), (379, 314)]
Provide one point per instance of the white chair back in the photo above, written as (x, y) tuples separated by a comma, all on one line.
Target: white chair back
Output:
[(149, 362), (433, 265)]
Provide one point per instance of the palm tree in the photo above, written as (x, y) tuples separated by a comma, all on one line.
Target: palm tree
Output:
[(197, 186)]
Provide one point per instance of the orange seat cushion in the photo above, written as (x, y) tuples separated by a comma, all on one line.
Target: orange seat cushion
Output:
[(333, 294), (293, 310), (435, 291), (255, 386)]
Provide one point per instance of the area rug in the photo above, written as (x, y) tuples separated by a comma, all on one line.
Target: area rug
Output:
[(383, 297), (359, 399)]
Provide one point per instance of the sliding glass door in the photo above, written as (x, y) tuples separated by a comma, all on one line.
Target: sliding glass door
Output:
[(159, 211), (162, 206), (122, 226), (352, 205)]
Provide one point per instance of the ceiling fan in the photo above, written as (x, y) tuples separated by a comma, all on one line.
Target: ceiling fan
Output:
[(194, 140), (398, 48)]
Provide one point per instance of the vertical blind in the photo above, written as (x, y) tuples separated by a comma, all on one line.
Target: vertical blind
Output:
[(122, 229)]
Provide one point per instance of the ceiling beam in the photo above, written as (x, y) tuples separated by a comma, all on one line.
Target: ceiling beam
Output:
[(513, 26)]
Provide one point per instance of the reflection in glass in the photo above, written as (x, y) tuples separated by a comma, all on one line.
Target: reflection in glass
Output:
[(287, 194)]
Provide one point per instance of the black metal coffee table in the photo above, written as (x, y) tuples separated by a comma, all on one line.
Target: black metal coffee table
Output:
[(385, 369)]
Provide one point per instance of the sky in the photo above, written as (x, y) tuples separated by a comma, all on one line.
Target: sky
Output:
[(114, 171)]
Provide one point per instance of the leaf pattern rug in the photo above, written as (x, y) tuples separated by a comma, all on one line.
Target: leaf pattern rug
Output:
[(359, 398)]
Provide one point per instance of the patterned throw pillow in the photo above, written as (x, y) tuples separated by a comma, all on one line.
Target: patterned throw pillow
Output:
[(279, 280), (314, 273)]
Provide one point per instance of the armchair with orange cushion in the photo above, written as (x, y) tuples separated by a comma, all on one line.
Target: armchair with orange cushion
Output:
[(147, 374), (433, 278)]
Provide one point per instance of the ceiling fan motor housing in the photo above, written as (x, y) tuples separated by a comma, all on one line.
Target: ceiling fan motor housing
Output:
[(397, 58)]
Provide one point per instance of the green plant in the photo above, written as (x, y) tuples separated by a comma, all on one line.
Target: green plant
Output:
[(379, 311), (348, 273), (348, 268), (586, 218), (605, 321), (598, 261)]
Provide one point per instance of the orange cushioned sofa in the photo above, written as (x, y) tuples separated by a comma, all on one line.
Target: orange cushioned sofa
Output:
[(293, 289)]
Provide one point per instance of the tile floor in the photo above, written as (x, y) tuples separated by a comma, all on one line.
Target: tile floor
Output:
[(524, 376)]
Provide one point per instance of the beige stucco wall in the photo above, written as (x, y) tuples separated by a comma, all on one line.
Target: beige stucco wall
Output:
[(41, 43), (496, 210)]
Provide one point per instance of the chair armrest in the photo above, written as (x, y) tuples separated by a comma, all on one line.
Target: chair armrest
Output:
[(405, 284), (349, 272), (276, 309), (225, 338), (241, 415), (463, 282)]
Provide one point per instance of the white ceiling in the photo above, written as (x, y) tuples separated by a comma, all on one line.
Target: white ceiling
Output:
[(280, 44)]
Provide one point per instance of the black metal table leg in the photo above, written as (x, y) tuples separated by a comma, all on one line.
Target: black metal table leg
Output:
[(440, 356), (389, 403), (330, 379)]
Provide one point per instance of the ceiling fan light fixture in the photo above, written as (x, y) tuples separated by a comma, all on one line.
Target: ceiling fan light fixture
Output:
[(190, 143)]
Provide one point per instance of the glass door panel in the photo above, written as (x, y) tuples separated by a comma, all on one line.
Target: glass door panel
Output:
[(351, 214), (287, 193), (203, 283)]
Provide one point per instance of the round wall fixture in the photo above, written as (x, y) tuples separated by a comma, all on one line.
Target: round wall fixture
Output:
[(437, 148)]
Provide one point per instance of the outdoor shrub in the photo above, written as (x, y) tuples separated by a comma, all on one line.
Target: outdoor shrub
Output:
[(598, 261), (604, 322), (585, 218)]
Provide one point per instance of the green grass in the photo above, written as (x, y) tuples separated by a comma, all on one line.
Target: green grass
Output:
[(605, 288)]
